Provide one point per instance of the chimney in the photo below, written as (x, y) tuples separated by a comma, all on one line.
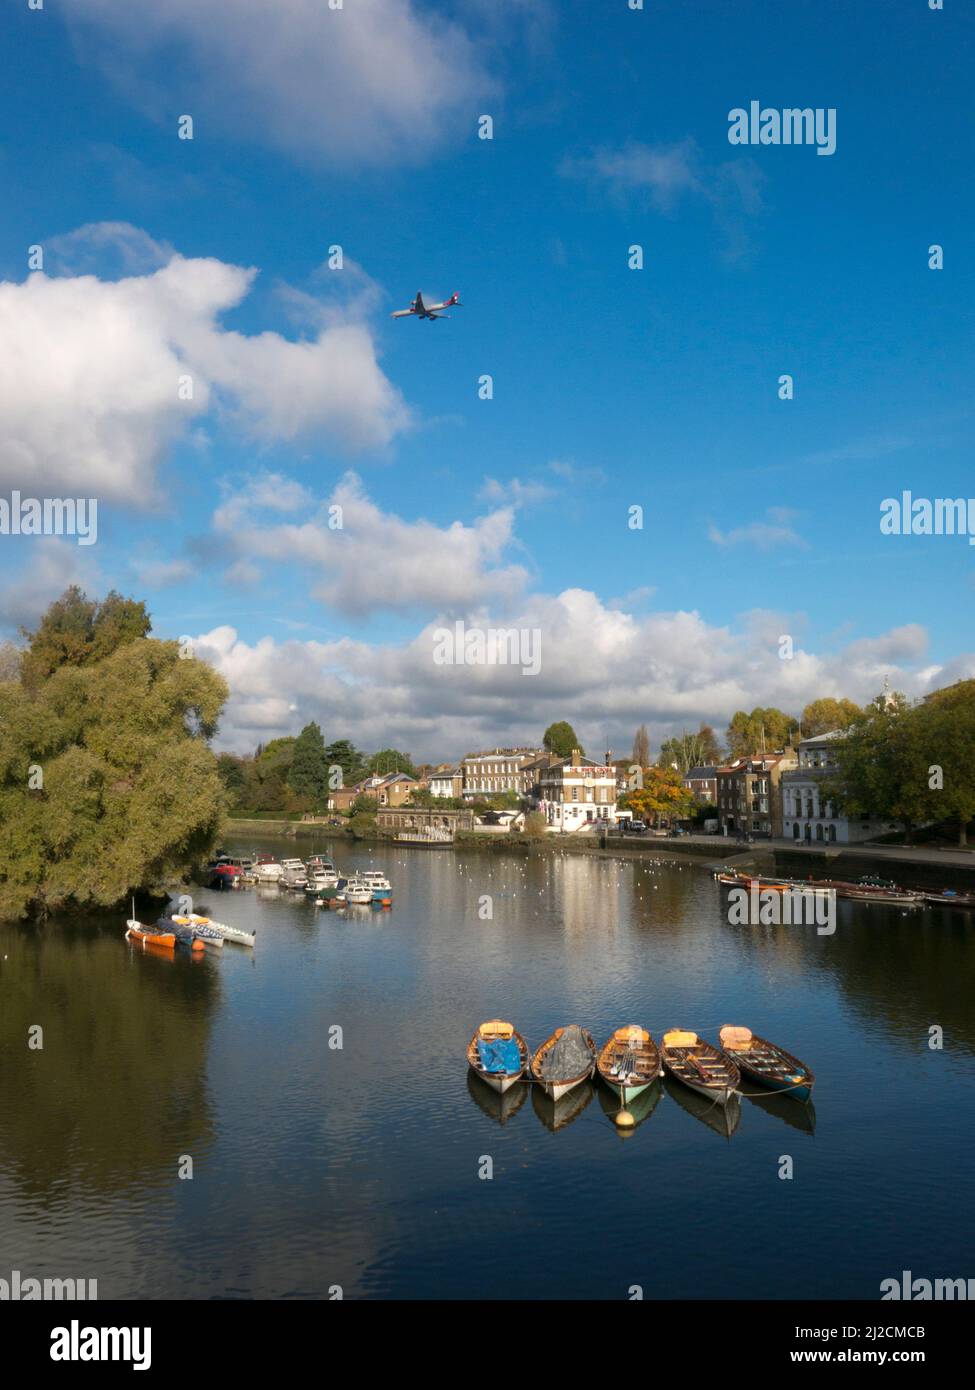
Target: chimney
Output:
[(576, 757)]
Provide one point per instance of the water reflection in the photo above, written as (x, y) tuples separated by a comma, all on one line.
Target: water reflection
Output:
[(559, 1114), (641, 1107), (723, 1119), (500, 1108)]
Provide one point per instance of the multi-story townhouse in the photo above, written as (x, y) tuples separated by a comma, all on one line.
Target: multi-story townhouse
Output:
[(575, 792), (498, 770), (447, 780), (749, 792), (702, 783), (807, 812)]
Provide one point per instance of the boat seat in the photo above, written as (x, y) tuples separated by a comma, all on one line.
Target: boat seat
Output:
[(678, 1037), (632, 1035), (740, 1038), (496, 1028)]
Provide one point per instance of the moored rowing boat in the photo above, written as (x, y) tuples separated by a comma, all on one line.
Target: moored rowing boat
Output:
[(767, 1063), (699, 1065), (629, 1062), (498, 1054), (150, 936), (564, 1060)]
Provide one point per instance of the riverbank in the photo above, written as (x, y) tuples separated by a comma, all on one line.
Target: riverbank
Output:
[(924, 867)]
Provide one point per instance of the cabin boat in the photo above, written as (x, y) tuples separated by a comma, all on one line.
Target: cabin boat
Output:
[(498, 1054), (564, 1061), (267, 870), (294, 874), (700, 1065), (382, 891), (319, 879), (629, 1062), (767, 1063), (358, 892)]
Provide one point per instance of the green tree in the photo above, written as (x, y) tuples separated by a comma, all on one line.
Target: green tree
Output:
[(232, 773), (946, 721), (107, 781), (825, 715), (345, 755), (690, 750), (881, 768), (390, 760), (308, 773), (560, 738), (76, 631), (663, 795), (768, 728)]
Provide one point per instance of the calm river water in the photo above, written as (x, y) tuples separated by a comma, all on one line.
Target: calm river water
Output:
[(358, 1168)]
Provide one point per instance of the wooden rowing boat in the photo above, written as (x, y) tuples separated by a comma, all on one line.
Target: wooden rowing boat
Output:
[(150, 936), (629, 1062), (699, 1065), (557, 1086), (494, 1061), (767, 1063)]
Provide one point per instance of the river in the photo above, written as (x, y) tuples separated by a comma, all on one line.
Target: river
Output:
[(318, 1169)]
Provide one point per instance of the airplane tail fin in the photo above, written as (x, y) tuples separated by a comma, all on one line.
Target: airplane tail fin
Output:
[(454, 299)]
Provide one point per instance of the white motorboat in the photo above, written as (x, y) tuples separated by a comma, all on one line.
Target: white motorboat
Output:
[(267, 870), (358, 892)]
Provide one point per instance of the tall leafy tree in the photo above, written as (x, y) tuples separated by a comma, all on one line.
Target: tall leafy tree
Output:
[(390, 760), (641, 747), (770, 728), (308, 773), (345, 755), (825, 715), (663, 795), (690, 750), (560, 739), (107, 781), (76, 631)]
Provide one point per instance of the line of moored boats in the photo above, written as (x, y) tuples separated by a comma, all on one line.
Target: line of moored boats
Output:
[(630, 1061), (868, 889), (316, 877)]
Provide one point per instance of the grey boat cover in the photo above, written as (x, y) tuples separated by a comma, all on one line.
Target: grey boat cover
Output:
[(567, 1058)]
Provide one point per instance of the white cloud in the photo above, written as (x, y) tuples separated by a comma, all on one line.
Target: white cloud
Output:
[(373, 82), (604, 670), (376, 560), (761, 535), (90, 372)]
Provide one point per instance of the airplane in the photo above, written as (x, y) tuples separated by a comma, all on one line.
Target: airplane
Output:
[(426, 311)]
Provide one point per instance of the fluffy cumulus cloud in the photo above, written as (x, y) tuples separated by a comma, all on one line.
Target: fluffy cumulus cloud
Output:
[(362, 559), (374, 82), (605, 670), (91, 370)]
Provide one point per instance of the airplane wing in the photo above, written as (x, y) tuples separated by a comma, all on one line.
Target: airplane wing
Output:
[(418, 303)]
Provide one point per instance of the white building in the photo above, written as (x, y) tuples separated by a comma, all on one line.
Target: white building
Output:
[(446, 781), (807, 813), (576, 792)]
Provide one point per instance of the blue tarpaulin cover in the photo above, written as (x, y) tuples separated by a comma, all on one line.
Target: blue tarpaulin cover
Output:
[(499, 1056)]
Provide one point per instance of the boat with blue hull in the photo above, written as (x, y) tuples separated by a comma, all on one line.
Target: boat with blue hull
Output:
[(767, 1063)]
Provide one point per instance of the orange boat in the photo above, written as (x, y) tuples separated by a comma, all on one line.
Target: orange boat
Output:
[(150, 936)]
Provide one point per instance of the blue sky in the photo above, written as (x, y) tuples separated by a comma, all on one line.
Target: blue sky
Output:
[(612, 387)]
